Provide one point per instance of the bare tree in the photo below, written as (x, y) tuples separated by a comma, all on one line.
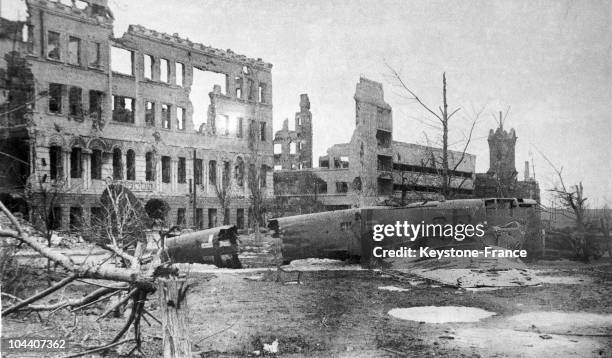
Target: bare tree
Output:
[(223, 190), (441, 120), (572, 198), (137, 277)]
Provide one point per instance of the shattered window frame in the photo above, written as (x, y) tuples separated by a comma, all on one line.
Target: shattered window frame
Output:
[(147, 67), (121, 114), (165, 116), (180, 118), (55, 98), (179, 74), (181, 170), (164, 70), (74, 54), (54, 47), (166, 163), (75, 101), (95, 54), (150, 113)]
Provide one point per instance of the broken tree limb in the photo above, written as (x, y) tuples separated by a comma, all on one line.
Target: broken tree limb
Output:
[(42, 294), (99, 349), (118, 304)]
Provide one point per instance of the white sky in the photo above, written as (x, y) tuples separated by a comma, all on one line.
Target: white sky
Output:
[(548, 60)]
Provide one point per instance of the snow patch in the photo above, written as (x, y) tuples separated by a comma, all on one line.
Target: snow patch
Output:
[(444, 314), (392, 288)]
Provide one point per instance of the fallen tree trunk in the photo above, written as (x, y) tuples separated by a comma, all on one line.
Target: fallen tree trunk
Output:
[(173, 305)]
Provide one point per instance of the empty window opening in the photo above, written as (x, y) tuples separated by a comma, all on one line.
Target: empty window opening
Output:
[(95, 104), (341, 187), (180, 118), (212, 172), (240, 133), (181, 171), (165, 114), (262, 131), (55, 218), (55, 98), (75, 104), (278, 148), (180, 74), (123, 109), (94, 54), (149, 166), (278, 167), (224, 125), (251, 90), (239, 172), (212, 218), (324, 163), (261, 93), (53, 45), (164, 70), (292, 148), (180, 217), (199, 214), (96, 164), (383, 139), (263, 173), (225, 177), (74, 50), (76, 163), (130, 166), (117, 164), (226, 216), (321, 187), (122, 61), (238, 85), (384, 163), (344, 162), (240, 218), (165, 162), (203, 84), (55, 162), (150, 114), (197, 172), (76, 217), (148, 67)]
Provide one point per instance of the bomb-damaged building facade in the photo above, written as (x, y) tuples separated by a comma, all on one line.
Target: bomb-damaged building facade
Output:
[(99, 109), (368, 170)]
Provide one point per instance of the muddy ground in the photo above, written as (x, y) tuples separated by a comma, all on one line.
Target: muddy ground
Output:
[(343, 313)]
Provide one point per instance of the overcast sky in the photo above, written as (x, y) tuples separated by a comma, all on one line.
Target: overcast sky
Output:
[(548, 61)]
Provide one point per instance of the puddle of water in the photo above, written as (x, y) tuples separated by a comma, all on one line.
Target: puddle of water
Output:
[(564, 322), (392, 288), (444, 314), (491, 342), (565, 280)]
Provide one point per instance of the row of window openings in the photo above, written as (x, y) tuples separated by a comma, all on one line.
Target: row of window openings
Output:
[(293, 147), (124, 63), (74, 50), (76, 167), (76, 217), (123, 111), (124, 59)]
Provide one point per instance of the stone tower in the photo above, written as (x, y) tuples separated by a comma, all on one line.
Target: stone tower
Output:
[(501, 153), (303, 127), (371, 159)]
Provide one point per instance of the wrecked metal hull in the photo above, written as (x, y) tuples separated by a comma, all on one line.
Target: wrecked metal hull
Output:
[(205, 246), (348, 233)]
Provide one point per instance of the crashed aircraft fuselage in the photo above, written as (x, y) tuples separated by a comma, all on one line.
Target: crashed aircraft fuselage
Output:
[(349, 233)]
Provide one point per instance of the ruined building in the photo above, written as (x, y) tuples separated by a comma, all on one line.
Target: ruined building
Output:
[(293, 148), (99, 109), (372, 167), (501, 179)]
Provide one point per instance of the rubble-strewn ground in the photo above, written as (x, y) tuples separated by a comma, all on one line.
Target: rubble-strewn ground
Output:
[(344, 313)]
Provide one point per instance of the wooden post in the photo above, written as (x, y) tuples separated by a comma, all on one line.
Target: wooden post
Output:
[(173, 305)]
